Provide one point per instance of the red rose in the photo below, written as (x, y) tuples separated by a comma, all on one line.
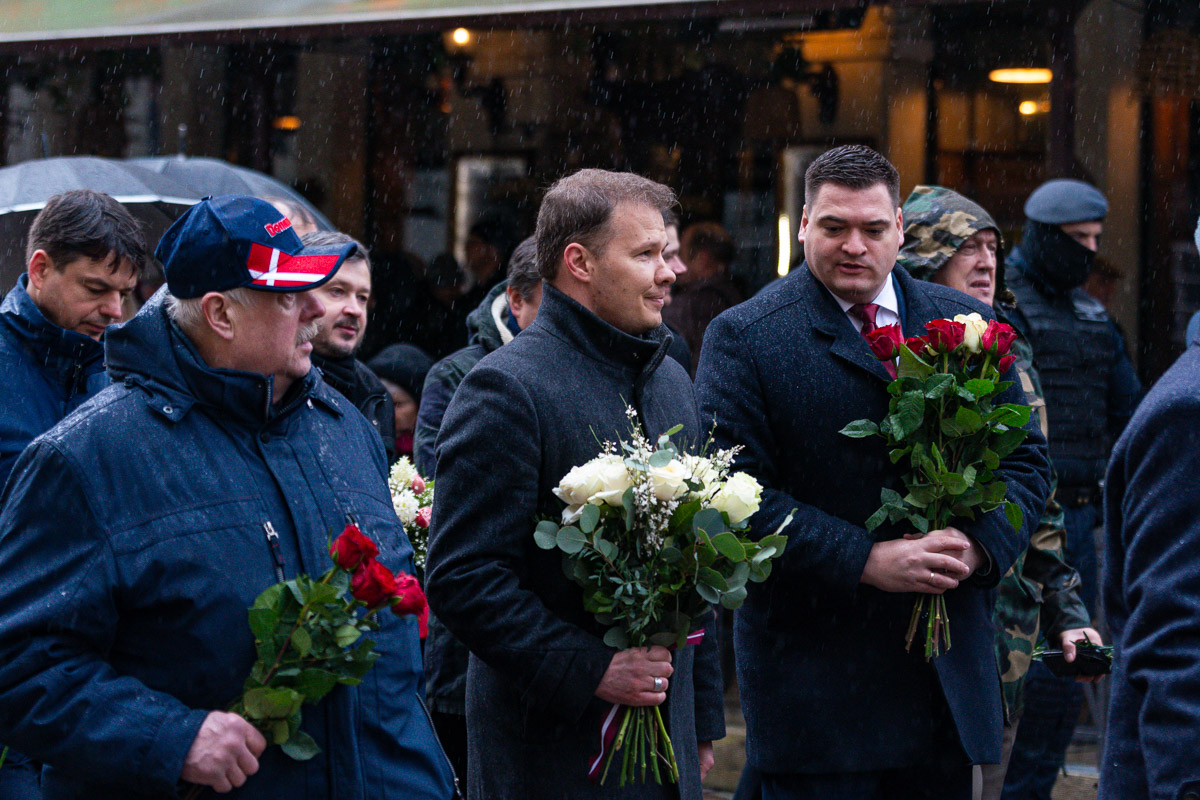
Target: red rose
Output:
[(352, 548), (917, 344), (945, 335), (998, 339), (423, 516), (407, 598), (373, 584), (418, 485), (885, 341), (1005, 363)]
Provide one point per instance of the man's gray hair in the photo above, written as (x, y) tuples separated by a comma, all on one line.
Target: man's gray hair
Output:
[(579, 207), (523, 275), (188, 313), (337, 239)]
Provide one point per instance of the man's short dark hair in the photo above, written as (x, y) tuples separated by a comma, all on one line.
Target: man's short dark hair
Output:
[(87, 224), (337, 239), (707, 237), (670, 218), (578, 208), (523, 274), (854, 166)]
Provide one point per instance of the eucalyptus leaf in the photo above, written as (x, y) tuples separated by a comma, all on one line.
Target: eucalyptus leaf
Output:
[(710, 577), (734, 598), (617, 638), (545, 535), (710, 521), (571, 540), (660, 458), (588, 518), (709, 594), (727, 544)]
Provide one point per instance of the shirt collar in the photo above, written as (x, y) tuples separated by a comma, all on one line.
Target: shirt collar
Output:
[(885, 299)]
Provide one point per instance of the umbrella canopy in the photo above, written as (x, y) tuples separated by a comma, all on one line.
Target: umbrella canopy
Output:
[(211, 176), (25, 188)]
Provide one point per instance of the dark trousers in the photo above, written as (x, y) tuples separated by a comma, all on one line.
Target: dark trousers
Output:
[(1052, 704), (939, 781)]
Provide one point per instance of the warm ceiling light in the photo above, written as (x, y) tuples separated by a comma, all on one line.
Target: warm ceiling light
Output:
[(288, 123), (461, 37), (785, 245), (1021, 75)]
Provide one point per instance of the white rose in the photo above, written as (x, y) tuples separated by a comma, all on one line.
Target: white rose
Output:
[(406, 506), (401, 476), (601, 480), (670, 481), (975, 326), (702, 471), (738, 498)]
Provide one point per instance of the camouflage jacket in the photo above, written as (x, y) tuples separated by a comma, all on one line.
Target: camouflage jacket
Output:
[(1040, 592)]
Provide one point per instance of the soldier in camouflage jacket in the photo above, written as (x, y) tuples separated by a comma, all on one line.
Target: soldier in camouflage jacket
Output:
[(1040, 592)]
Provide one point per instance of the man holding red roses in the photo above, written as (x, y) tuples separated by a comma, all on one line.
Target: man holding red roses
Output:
[(136, 534), (835, 706)]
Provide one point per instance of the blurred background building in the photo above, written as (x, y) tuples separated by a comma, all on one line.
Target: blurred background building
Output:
[(405, 121)]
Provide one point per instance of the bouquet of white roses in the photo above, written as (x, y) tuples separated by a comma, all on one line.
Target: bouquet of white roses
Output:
[(412, 498), (654, 537)]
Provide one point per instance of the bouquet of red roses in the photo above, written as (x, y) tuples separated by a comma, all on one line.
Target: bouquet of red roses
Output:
[(944, 424)]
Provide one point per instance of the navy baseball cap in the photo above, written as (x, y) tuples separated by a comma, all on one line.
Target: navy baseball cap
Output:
[(1064, 200), (228, 242)]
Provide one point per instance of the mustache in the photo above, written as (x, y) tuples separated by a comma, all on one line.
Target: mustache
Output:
[(308, 333), (349, 322)]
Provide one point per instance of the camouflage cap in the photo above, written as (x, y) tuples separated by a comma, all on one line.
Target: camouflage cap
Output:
[(937, 221)]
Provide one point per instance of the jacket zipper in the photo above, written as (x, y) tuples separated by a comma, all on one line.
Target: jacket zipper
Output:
[(442, 750), (276, 551)]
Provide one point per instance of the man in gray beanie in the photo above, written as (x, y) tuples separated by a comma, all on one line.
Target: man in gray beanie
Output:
[(1091, 391)]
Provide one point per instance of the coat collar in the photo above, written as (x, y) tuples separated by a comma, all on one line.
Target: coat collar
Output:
[(848, 344), (151, 352), (68, 356), (566, 319)]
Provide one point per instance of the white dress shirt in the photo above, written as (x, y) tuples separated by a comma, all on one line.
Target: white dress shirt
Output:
[(889, 306)]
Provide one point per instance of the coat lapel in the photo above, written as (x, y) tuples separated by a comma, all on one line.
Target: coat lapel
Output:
[(917, 308), (829, 322)]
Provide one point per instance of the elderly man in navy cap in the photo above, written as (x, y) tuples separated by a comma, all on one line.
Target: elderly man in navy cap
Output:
[(1091, 392), (136, 533)]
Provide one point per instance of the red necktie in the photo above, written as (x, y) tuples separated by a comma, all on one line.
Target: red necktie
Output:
[(866, 312)]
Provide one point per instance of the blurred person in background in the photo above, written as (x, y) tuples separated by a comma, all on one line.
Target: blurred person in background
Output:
[(705, 288), (402, 369)]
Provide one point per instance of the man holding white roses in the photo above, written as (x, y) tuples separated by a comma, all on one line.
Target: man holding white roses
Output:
[(836, 708), (541, 678)]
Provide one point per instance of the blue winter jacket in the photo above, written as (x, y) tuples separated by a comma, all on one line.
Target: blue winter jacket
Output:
[(133, 539), (46, 372)]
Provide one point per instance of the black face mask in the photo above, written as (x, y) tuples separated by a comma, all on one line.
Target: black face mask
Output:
[(1055, 258)]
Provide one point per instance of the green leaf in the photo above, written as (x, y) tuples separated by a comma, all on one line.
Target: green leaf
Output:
[(271, 598), (588, 518), (606, 548), (674, 430), (709, 594), (968, 420), (919, 522), (739, 576), (910, 411), (660, 458), (1005, 442), (979, 387), (616, 638), (300, 747), (710, 577), (763, 554), (298, 591), (671, 554), (571, 540), (734, 598), (727, 544), (995, 491), (314, 684), (628, 505), (710, 521), (954, 483), (1015, 516), (969, 475), (911, 365), (877, 519), (860, 429), (280, 731), (302, 641), (269, 703), (939, 386), (545, 535), (1011, 414), (263, 622), (346, 635), (990, 459), (662, 639)]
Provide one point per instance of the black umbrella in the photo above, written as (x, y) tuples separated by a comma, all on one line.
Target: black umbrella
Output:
[(211, 176), (25, 188)]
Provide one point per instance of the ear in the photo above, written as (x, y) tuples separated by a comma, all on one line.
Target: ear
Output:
[(578, 262), (39, 263), (220, 315), (900, 224), (515, 301), (803, 225)]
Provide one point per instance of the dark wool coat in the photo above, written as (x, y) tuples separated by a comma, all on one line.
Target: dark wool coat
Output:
[(524, 416), (1151, 594), (826, 684), (133, 537)]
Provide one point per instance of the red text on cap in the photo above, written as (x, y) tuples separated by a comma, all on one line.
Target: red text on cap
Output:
[(276, 228)]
